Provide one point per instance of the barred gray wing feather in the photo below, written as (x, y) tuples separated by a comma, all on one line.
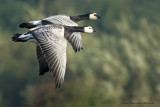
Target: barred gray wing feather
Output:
[(54, 47), (43, 66), (75, 40)]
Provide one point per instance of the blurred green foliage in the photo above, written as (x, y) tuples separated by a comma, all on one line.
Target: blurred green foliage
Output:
[(120, 62)]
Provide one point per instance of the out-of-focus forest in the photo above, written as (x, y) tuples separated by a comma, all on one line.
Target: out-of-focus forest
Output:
[(120, 62)]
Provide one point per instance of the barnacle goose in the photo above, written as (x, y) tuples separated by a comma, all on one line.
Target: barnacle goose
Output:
[(51, 47), (66, 20)]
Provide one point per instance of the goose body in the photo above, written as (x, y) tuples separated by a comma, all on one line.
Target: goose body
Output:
[(65, 20), (51, 48)]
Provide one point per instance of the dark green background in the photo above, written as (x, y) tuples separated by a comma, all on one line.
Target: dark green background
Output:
[(120, 62)]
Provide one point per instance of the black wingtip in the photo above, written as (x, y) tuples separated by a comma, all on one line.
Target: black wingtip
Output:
[(58, 86), (78, 50)]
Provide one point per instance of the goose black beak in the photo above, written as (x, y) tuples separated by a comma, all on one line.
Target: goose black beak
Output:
[(94, 30), (98, 16)]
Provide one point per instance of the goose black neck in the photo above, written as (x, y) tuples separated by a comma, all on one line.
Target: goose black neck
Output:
[(80, 17), (74, 29)]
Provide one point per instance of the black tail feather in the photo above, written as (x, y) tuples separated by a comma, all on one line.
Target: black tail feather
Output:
[(26, 25), (16, 38)]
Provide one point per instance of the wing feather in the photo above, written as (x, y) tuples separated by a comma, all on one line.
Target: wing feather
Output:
[(75, 40), (43, 66)]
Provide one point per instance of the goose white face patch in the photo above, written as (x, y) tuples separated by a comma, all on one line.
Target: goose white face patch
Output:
[(93, 16), (88, 29)]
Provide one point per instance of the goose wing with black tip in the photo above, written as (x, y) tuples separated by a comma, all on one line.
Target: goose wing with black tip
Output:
[(76, 40), (53, 44)]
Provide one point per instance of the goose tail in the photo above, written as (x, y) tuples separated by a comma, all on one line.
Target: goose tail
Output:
[(27, 25), (16, 38), (22, 37)]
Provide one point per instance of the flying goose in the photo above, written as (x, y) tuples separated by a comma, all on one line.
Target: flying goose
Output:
[(51, 47), (66, 20)]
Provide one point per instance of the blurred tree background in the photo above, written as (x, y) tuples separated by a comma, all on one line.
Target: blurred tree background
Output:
[(120, 62)]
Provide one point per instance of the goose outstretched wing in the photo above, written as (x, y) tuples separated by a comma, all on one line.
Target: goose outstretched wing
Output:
[(53, 44), (75, 40)]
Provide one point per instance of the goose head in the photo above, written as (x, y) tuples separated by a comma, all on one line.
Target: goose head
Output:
[(94, 16), (89, 29)]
